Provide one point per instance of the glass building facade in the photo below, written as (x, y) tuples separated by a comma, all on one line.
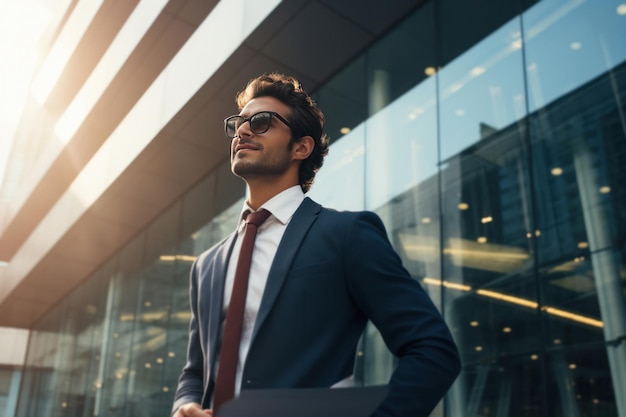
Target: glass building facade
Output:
[(491, 139)]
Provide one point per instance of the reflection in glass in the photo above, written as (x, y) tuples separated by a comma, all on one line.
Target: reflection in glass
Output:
[(577, 133), (482, 90)]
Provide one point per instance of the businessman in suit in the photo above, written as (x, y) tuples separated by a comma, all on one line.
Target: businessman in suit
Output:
[(317, 276)]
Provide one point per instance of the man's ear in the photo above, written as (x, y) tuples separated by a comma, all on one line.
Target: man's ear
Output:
[(302, 148)]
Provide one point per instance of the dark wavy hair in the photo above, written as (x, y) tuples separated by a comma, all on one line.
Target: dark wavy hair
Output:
[(306, 118)]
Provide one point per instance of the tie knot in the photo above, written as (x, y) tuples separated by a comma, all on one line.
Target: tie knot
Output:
[(258, 217)]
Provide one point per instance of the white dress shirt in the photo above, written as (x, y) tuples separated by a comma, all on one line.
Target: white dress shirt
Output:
[(282, 207)]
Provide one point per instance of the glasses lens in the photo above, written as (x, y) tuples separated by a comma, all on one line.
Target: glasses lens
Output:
[(232, 124), (260, 122)]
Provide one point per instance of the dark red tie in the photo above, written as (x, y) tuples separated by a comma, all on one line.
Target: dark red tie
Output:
[(227, 371)]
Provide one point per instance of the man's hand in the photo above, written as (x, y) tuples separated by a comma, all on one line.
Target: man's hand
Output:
[(192, 410)]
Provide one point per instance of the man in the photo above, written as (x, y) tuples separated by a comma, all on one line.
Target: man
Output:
[(317, 275)]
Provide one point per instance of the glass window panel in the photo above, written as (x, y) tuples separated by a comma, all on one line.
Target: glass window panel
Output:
[(343, 99), (339, 183), (577, 81), (401, 142), (507, 386), (569, 43), (464, 24), (482, 91), (488, 281), (113, 379), (401, 132), (577, 386), (401, 60), (402, 148), (41, 378), (86, 318), (178, 325)]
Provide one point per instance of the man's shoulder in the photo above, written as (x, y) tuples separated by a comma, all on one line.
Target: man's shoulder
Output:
[(344, 216), (332, 211)]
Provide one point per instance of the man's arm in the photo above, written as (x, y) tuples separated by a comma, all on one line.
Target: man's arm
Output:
[(408, 320)]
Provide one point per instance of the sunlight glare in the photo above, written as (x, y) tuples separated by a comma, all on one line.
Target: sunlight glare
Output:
[(22, 24), (63, 47)]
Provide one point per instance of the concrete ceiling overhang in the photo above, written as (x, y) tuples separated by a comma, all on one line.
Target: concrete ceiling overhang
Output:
[(310, 39)]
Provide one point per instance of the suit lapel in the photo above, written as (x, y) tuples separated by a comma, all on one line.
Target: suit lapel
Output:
[(289, 245)]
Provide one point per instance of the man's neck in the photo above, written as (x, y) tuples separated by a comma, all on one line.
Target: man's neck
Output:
[(259, 194)]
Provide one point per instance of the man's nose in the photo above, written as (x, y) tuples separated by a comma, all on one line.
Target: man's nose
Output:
[(244, 130)]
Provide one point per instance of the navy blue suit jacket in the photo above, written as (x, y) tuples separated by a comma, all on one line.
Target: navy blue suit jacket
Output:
[(332, 272)]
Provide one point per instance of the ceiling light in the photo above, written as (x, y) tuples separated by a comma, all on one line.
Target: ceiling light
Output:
[(621, 9), (172, 258), (345, 130), (575, 46), (590, 321), (460, 287), (446, 284), (463, 206), (476, 71), (456, 87), (486, 219), (413, 115), (556, 171), (430, 71), (605, 189), (426, 220), (481, 239), (474, 323), (583, 245), (507, 298)]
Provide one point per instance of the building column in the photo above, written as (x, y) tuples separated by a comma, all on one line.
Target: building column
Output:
[(605, 261)]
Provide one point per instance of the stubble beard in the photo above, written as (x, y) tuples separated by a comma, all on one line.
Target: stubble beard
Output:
[(249, 169)]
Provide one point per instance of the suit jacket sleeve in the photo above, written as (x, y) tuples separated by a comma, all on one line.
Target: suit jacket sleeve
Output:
[(410, 324)]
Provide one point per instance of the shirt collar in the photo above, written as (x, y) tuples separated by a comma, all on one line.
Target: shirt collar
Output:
[(282, 206)]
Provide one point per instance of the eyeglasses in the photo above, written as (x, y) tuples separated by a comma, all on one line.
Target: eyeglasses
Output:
[(259, 122)]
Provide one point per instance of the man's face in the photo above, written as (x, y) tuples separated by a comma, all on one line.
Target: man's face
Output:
[(262, 155)]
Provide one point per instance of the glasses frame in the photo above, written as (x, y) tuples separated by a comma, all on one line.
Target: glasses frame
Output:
[(249, 119)]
